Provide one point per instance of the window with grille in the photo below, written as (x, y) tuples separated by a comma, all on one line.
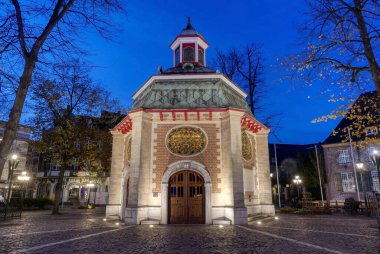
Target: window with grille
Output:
[(344, 157), (375, 181), (75, 163), (348, 182), (77, 144), (188, 54)]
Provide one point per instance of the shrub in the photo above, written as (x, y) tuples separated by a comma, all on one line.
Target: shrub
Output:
[(39, 203), (306, 195), (287, 210), (351, 206), (89, 206)]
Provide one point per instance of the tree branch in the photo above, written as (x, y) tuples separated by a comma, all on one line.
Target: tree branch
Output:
[(20, 28)]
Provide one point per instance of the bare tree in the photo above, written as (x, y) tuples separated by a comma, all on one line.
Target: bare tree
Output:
[(34, 33), (340, 46), (62, 105), (226, 63), (244, 66)]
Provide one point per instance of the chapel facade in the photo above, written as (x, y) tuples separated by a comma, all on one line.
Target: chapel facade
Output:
[(190, 151)]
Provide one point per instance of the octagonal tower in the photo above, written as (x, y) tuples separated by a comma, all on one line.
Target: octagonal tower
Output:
[(190, 150)]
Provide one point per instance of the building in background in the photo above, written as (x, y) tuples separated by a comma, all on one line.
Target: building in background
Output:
[(291, 162), (77, 178), (363, 120), (20, 147)]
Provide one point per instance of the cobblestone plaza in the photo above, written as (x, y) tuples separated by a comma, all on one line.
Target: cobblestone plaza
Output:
[(84, 231)]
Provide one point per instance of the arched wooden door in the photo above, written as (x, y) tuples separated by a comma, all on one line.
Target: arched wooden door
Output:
[(186, 198)]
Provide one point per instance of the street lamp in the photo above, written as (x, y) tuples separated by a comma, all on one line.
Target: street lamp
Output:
[(297, 180), (12, 164), (360, 167)]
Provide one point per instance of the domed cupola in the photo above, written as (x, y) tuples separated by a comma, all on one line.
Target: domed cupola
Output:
[(189, 47)]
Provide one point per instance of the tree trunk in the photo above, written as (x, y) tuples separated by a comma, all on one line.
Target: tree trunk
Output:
[(15, 114), (368, 50), (58, 191)]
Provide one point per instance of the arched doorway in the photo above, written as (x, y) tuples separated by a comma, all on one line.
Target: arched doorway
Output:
[(186, 198)]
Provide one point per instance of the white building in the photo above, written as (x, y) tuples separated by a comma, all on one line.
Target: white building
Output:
[(190, 150)]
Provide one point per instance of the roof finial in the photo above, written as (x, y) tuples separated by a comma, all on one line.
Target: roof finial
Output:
[(189, 26)]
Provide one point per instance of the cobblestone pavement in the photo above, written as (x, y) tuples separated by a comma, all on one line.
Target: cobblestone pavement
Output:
[(82, 231)]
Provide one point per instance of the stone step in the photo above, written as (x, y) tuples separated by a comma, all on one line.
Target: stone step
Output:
[(113, 217), (221, 222), (253, 217), (150, 222), (259, 217)]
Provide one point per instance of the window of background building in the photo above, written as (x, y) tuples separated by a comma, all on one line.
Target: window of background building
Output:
[(372, 130), (100, 146), (375, 181), (77, 144), (344, 157), (348, 182), (75, 163)]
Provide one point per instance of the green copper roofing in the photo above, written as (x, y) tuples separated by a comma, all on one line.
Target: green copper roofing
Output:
[(189, 94)]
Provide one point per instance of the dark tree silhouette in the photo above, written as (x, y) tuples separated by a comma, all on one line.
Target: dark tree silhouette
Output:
[(27, 43), (62, 105)]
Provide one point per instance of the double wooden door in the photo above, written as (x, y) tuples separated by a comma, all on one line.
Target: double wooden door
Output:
[(186, 198)]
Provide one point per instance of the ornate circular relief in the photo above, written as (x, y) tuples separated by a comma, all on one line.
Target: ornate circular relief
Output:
[(246, 147), (186, 141)]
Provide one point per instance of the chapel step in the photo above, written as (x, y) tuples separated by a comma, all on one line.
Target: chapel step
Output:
[(254, 218), (221, 222), (150, 222)]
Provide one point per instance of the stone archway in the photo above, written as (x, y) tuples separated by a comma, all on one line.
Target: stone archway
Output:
[(180, 166)]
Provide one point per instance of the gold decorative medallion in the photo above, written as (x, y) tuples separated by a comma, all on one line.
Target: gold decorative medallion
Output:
[(246, 147), (186, 141)]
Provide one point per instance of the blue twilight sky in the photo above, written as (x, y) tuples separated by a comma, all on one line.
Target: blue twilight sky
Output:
[(150, 26)]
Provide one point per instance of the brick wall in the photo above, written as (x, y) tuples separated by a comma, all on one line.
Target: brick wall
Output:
[(210, 157)]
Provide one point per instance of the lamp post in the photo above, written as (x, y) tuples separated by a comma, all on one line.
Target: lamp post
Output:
[(360, 167), (297, 180), (89, 186), (24, 178), (278, 181), (375, 157), (12, 164)]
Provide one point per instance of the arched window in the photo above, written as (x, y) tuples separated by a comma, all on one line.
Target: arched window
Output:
[(201, 57), (188, 54), (177, 56)]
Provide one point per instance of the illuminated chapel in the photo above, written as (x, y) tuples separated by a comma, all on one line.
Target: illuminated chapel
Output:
[(190, 151)]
